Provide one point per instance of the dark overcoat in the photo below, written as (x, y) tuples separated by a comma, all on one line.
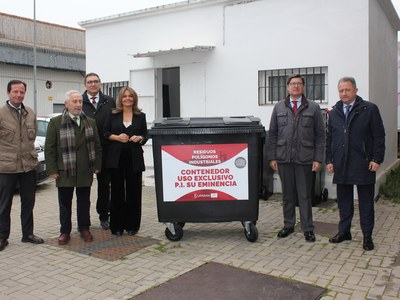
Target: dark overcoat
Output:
[(53, 156), (352, 144), (100, 114)]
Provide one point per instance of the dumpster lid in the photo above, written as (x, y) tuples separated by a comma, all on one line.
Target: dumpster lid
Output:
[(172, 122), (207, 122)]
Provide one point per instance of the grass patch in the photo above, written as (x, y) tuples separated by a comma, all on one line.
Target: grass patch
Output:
[(391, 188), (160, 247)]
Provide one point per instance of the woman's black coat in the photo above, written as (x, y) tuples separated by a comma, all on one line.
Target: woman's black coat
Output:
[(114, 125)]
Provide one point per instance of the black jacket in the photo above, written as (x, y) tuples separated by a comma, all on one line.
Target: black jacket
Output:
[(351, 145), (104, 107), (114, 125)]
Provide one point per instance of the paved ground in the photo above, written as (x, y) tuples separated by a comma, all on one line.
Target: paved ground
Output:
[(51, 272)]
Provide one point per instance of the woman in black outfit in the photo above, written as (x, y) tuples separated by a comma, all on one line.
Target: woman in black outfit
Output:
[(126, 129)]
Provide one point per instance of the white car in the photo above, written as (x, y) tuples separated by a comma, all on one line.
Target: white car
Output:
[(41, 172), (42, 123)]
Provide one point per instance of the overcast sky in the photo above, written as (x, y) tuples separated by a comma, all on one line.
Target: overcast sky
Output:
[(70, 12)]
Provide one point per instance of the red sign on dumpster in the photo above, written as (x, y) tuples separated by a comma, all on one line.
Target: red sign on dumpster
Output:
[(205, 172)]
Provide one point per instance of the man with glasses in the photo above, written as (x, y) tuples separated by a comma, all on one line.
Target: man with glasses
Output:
[(296, 150), (97, 105)]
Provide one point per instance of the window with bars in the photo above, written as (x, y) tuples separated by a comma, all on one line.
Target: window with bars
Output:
[(272, 84), (112, 88)]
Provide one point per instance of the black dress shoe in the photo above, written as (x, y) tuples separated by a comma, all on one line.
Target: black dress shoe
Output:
[(117, 233), (3, 244), (309, 236), (105, 224), (132, 232), (285, 231), (32, 239), (340, 237), (368, 244)]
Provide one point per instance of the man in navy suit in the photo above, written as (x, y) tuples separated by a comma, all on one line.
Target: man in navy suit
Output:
[(355, 149)]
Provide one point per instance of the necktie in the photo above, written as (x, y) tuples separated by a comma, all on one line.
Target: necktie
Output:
[(19, 112), (76, 120), (93, 100), (346, 114), (294, 107)]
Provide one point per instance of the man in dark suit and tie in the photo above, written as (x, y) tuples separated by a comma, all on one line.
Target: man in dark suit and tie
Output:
[(97, 105)]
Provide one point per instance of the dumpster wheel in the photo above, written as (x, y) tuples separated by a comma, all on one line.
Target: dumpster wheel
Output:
[(182, 224), (251, 232), (178, 233), (244, 223)]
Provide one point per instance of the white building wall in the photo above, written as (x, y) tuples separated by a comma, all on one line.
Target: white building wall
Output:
[(304, 38), (148, 32), (248, 36), (382, 84)]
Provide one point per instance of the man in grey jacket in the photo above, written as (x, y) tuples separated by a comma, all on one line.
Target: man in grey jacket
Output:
[(296, 150), (18, 162)]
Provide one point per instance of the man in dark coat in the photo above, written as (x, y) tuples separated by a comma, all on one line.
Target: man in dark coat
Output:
[(98, 106), (355, 149), (73, 155)]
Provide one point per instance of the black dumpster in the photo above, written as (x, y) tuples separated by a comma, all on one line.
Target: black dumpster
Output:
[(319, 192), (267, 174), (318, 186), (207, 170)]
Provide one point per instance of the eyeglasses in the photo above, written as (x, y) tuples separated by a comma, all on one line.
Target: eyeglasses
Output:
[(296, 83), (92, 81)]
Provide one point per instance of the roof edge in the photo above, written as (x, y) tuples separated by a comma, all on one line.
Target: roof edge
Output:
[(197, 48), (391, 13), (152, 11)]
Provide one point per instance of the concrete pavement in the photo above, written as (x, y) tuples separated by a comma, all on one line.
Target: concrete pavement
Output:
[(345, 270)]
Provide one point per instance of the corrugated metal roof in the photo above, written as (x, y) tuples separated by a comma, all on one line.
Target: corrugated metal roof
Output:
[(19, 30), (57, 47)]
